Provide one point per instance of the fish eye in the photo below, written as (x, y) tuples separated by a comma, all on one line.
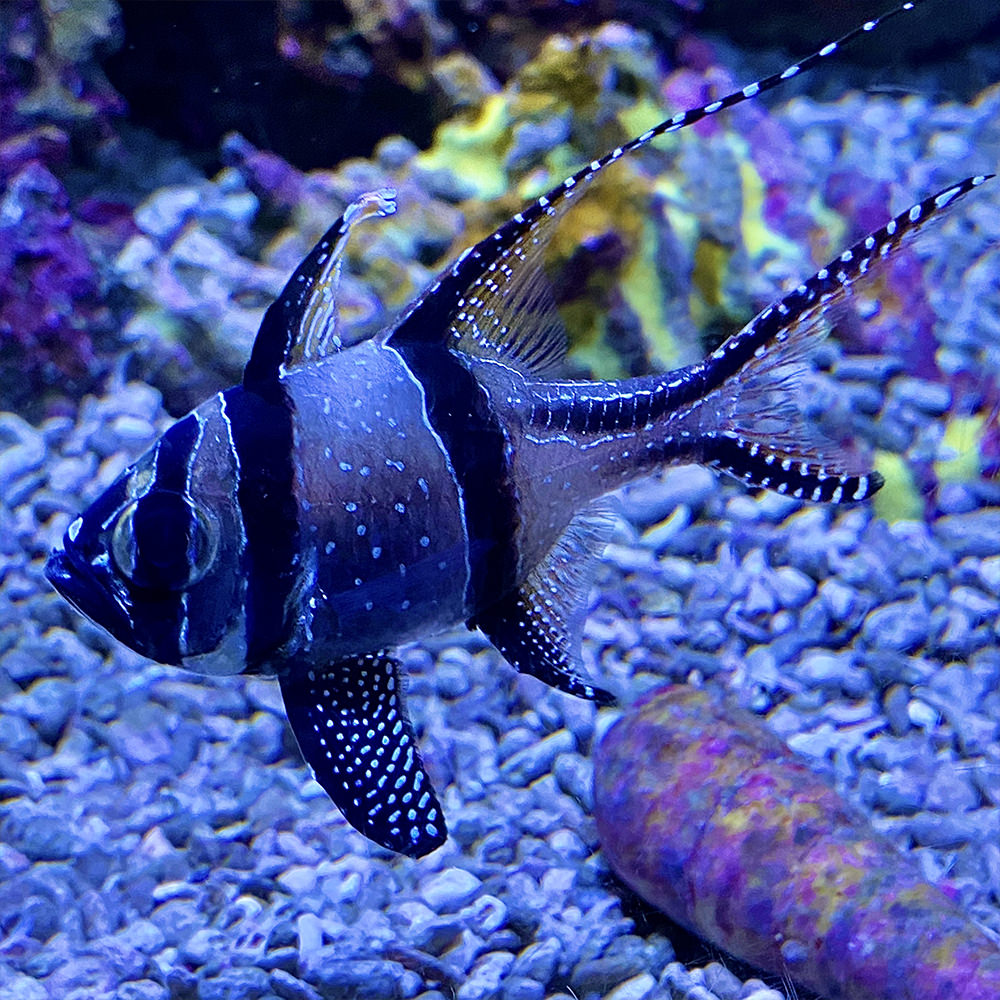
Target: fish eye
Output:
[(163, 541)]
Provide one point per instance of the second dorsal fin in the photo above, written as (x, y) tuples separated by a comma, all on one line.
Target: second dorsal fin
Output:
[(509, 312), (473, 305), (301, 324)]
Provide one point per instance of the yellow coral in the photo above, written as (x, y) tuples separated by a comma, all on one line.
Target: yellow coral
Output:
[(472, 148), (959, 458), (899, 499)]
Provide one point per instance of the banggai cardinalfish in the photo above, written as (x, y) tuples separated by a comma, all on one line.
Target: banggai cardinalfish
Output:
[(344, 500)]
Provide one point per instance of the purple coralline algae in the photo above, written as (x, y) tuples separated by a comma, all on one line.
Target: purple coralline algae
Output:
[(53, 99), (708, 815)]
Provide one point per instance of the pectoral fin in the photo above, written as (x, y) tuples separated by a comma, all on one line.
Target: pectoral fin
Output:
[(354, 732)]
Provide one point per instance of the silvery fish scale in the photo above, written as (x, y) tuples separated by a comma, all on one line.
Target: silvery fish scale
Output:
[(342, 501)]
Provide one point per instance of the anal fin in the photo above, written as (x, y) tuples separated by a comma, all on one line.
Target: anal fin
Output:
[(353, 730), (537, 628)]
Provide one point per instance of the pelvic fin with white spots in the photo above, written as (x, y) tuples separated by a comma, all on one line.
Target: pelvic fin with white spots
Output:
[(353, 730)]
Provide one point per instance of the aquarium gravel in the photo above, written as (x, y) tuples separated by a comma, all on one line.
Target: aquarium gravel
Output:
[(160, 837)]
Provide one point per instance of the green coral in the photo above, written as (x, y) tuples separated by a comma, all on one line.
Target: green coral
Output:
[(640, 284)]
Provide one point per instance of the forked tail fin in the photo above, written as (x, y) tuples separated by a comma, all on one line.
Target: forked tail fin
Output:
[(741, 409), (746, 397)]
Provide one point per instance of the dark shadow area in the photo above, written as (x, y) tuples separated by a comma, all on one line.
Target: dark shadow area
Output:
[(690, 949), (953, 48), (192, 72)]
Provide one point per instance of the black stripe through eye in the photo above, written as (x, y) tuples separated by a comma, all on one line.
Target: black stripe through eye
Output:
[(163, 542)]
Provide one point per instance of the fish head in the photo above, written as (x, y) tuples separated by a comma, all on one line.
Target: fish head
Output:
[(155, 560)]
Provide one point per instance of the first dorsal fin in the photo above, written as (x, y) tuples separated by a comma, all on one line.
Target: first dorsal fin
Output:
[(301, 324), (477, 305)]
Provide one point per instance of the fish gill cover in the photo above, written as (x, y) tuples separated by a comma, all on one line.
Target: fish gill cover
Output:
[(191, 857)]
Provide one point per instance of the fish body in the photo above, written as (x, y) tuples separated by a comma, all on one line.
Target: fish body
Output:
[(344, 500)]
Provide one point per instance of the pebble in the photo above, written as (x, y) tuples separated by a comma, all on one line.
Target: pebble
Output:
[(298, 880), (900, 626), (637, 988), (950, 790), (754, 989), (142, 989), (22, 452), (972, 534), (793, 587), (17, 986), (975, 602), (521, 988), (921, 714), (946, 831), (976, 734), (598, 974), (659, 537), (333, 974), (235, 984), (708, 636), (537, 759), (722, 982), (202, 947), (899, 793), (819, 668), (575, 774), (650, 501), (449, 890), (288, 987), (956, 498), (932, 398), (539, 960), (485, 915), (483, 983), (38, 836), (894, 704), (181, 983), (989, 573)]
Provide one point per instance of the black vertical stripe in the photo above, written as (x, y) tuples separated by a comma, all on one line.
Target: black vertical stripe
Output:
[(261, 423), (460, 413), (173, 455), (158, 616)]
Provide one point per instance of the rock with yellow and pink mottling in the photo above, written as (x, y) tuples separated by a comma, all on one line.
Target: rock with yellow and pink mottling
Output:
[(708, 815)]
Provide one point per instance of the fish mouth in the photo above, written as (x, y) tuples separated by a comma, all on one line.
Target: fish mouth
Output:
[(78, 584), (59, 572)]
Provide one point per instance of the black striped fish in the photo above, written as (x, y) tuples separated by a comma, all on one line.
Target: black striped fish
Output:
[(342, 501)]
